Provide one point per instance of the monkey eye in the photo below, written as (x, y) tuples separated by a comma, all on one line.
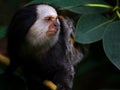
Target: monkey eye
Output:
[(50, 18)]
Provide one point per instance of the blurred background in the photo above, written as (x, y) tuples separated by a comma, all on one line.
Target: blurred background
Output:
[(8, 8), (96, 72)]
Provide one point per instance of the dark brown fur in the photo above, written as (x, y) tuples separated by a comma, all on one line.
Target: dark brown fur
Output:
[(55, 64)]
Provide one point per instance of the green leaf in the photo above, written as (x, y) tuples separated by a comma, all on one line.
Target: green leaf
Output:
[(36, 2), (66, 2), (2, 31), (88, 10), (76, 6), (111, 43), (90, 28)]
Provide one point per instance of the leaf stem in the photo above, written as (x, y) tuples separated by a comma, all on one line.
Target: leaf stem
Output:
[(88, 5), (99, 5), (118, 13), (102, 24)]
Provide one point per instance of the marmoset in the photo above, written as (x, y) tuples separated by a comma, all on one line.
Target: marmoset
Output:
[(41, 43)]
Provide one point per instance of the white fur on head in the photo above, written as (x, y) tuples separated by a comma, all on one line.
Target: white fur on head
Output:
[(36, 36)]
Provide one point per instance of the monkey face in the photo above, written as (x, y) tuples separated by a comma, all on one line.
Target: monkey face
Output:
[(46, 28), (53, 25)]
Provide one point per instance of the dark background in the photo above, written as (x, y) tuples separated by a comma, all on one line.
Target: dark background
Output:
[(96, 72)]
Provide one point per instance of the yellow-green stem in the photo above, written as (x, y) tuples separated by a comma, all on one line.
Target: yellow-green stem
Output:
[(118, 13), (99, 5), (115, 8), (89, 5)]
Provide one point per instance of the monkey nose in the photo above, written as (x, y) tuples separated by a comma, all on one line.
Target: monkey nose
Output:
[(56, 24), (53, 29)]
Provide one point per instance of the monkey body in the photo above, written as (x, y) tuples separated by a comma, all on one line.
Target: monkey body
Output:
[(40, 43), (50, 65)]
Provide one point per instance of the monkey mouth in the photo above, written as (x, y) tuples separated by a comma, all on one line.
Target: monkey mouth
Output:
[(51, 32)]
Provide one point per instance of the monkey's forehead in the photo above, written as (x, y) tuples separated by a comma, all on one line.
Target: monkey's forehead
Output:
[(46, 10)]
